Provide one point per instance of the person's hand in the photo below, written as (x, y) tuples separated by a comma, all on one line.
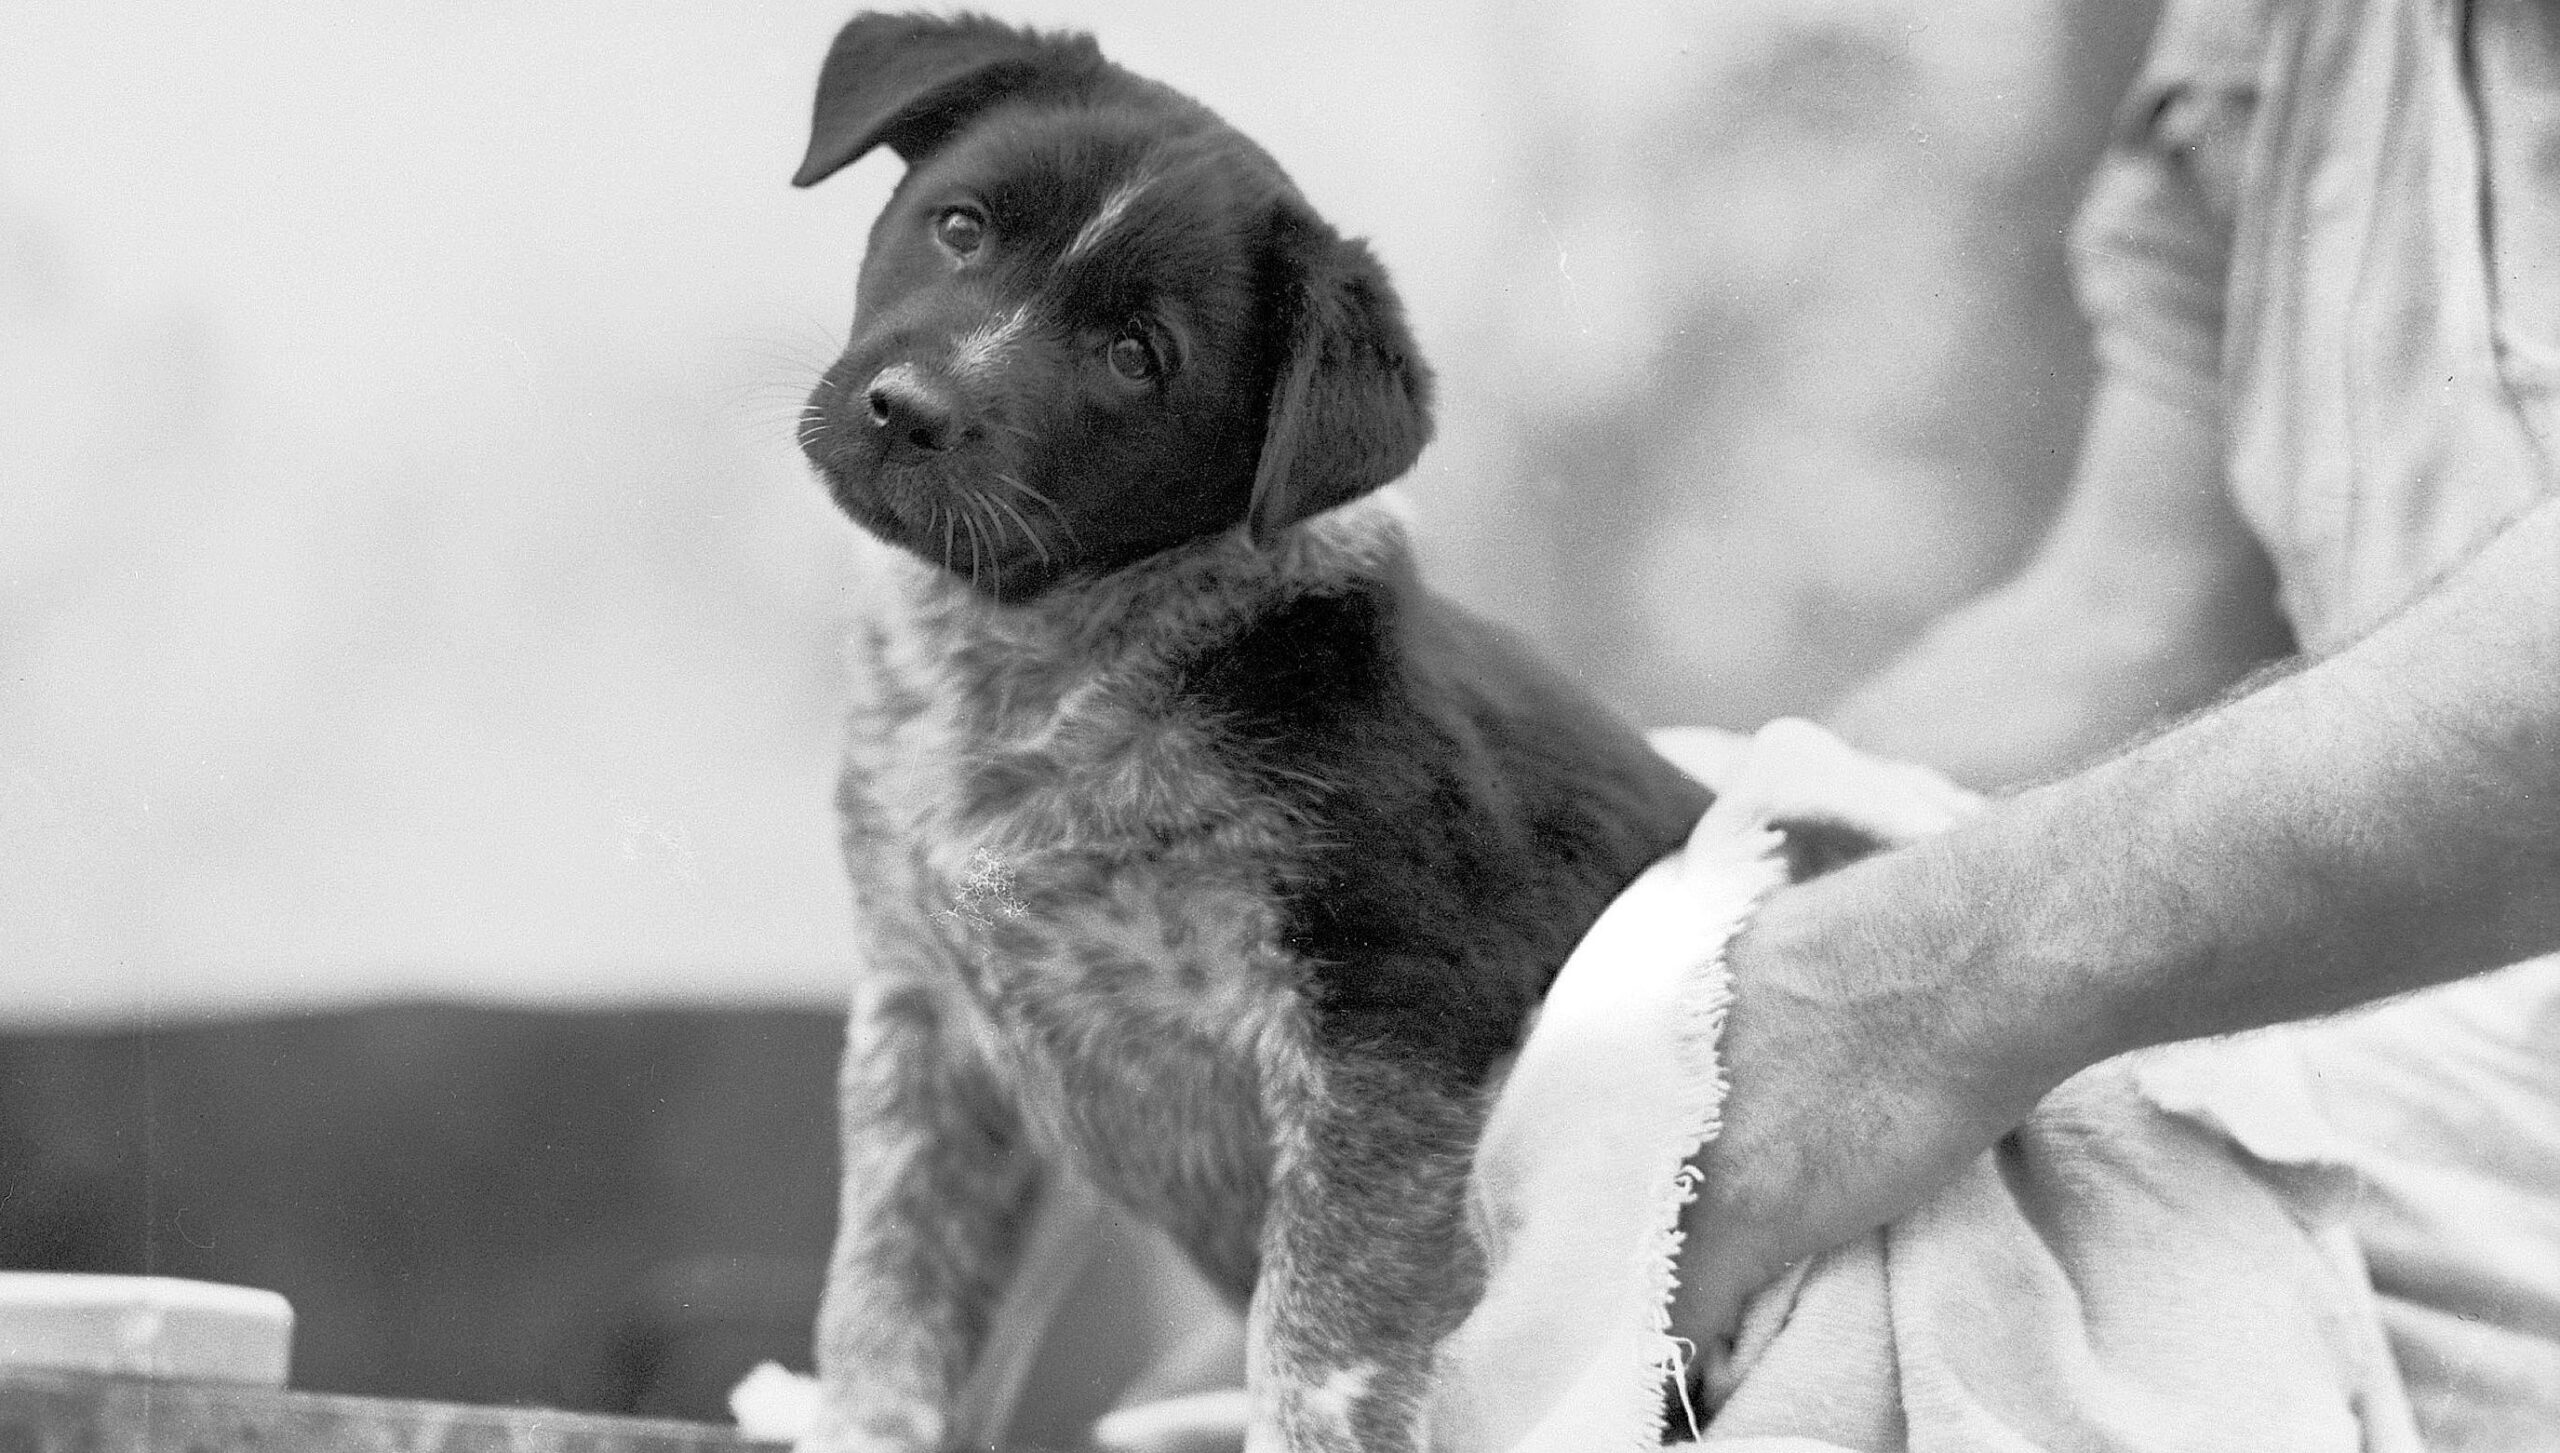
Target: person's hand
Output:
[(1843, 1114), (1847, 1105)]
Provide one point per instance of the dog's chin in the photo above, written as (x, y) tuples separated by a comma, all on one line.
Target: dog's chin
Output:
[(913, 511), (894, 515), (1008, 578)]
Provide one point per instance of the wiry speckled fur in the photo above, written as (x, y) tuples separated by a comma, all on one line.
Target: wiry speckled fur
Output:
[(1072, 950)]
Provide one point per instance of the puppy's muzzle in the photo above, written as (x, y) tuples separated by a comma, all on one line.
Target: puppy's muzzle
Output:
[(908, 407)]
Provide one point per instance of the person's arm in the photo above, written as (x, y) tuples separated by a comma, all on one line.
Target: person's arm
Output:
[(2385, 819), (2147, 598)]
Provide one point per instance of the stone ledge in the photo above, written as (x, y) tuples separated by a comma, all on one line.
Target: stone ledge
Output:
[(70, 1412)]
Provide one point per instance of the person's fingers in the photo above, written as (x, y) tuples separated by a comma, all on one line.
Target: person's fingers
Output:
[(1845, 1110), (1719, 1273)]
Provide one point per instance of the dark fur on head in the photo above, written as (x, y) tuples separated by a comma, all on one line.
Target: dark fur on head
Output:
[(1214, 356)]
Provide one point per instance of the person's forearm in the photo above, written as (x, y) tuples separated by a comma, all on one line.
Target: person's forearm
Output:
[(2383, 820)]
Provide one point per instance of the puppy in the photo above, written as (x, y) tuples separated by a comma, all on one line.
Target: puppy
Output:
[(1196, 846)]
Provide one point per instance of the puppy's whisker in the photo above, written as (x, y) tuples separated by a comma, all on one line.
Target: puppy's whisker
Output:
[(969, 525), (762, 410), (1012, 481), (1028, 533), (1041, 500), (994, 531)]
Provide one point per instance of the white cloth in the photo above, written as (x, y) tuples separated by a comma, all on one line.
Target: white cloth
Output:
[(2447, 1106), (1579, 1177), (2117, 1275)]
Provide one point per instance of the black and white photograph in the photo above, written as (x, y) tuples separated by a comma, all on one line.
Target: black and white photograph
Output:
[(1124, 726)]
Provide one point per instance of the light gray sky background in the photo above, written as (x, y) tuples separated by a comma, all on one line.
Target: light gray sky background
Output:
[(407, 586)]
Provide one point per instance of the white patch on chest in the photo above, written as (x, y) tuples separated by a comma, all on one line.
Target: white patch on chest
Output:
[(1332, 1400), (1063, 848), (1313, 1416), (984, 894)]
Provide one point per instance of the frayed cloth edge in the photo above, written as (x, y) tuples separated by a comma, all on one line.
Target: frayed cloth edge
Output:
[(1706, 997)]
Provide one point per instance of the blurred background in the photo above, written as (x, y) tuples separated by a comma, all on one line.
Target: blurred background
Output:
[(418, 634)]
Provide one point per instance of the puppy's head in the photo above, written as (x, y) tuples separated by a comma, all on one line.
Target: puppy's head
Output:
[(1093, 321)]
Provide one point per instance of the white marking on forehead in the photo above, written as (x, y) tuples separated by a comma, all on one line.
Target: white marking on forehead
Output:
[(1113, 208), (982, 347)]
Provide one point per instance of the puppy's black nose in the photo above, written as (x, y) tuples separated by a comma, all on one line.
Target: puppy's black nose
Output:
[(906, 406)]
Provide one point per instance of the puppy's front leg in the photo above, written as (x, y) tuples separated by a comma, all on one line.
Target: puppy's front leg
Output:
[(938, 1194), (1366, 1263)]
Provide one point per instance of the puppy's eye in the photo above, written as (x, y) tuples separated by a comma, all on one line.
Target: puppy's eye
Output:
[(961, 229), (1133, 358)]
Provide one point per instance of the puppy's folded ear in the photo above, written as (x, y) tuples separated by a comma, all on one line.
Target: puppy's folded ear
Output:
[(1351, 400), (908, 81)]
